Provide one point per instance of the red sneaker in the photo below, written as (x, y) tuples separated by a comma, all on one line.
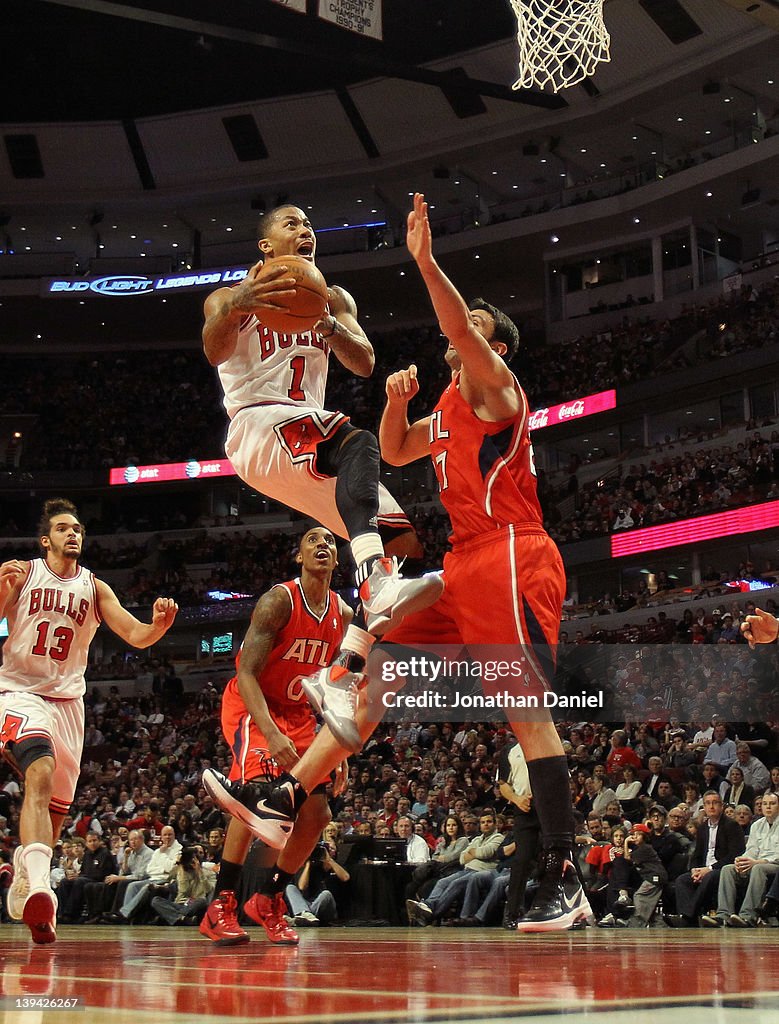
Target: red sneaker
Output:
[(40, 916), (270, 914), (220, 923)]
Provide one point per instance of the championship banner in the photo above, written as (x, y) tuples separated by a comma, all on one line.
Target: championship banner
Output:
[(360, 16), (293, 5)]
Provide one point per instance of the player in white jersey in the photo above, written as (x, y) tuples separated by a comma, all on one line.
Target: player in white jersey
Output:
[(284, 444), (53, 606)]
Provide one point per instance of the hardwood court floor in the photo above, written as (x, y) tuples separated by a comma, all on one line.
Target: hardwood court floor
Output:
[(403, 975)]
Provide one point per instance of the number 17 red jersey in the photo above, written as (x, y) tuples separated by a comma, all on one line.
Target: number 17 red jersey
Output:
[(485, 470)]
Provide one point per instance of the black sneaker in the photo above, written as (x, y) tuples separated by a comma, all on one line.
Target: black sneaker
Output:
[(269, 814), (768, 910), (560, 901)]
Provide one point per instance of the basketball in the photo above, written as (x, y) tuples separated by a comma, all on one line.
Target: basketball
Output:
[(306, 306)]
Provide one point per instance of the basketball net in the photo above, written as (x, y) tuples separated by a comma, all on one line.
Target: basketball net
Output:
[(560, 41)]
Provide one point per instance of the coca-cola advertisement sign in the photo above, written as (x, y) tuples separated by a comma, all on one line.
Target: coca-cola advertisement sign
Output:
[(573, 410)]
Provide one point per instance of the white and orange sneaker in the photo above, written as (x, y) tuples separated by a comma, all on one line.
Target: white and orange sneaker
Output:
[(20, 887), (383, 588), (333, 693)]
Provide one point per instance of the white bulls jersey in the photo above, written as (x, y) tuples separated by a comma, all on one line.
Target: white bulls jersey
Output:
[(267, 367), (50, 629)]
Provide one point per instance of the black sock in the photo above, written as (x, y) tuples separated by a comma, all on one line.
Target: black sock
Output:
[(550, 785), (288, 795), (277, 882), (228, 877)]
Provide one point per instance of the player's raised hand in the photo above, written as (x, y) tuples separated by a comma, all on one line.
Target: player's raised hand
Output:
[(419, 239), (163, 613), (760, 628), (402, 385), (269, 291), (11, 571)]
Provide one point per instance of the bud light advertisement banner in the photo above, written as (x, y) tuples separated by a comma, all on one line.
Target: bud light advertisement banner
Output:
[(125, 286)]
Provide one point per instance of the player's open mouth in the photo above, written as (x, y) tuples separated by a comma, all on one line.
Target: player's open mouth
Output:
[(323, 556), (306, 250)]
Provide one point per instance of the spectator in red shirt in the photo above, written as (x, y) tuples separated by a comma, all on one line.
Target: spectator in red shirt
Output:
[(149, 820), (621, 754)]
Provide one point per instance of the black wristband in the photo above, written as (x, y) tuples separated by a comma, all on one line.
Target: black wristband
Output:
[(334, 325)]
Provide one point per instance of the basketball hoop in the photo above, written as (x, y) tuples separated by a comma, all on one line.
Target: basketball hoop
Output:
[(560, 41)]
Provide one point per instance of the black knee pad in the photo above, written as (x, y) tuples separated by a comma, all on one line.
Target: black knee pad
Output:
[(25, 752), (356, 465)]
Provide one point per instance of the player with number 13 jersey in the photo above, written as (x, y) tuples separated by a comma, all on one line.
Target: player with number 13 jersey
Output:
[(54, 607)]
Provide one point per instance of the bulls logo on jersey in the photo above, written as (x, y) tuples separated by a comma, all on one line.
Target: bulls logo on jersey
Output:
[(271, 342), (51, 599)]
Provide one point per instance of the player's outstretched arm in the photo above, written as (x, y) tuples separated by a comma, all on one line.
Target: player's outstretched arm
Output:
[(341, 329), (125, 625), (225, 308), (401, 442), (760, 628), (484, 367), (13, 573), (271, 614)]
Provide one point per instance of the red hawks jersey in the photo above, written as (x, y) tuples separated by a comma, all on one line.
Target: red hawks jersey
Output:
[(485, 470), (307, 643), (269, 368), (50, 629)]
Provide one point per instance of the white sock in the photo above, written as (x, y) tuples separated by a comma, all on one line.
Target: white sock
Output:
[(37, 860), (357, 641), (366, 548)]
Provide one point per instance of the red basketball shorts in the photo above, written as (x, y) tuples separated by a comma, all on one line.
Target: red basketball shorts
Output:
[(249, 747), (503, 598)]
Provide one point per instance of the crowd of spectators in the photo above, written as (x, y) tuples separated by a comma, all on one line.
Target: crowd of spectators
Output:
[(243, 563), (239, 562), (166, 405), (145, 755), (713, 478)]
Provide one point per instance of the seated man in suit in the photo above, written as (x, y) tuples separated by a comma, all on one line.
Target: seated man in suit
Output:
[(650, 793), (718, 842), (751, 873)]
